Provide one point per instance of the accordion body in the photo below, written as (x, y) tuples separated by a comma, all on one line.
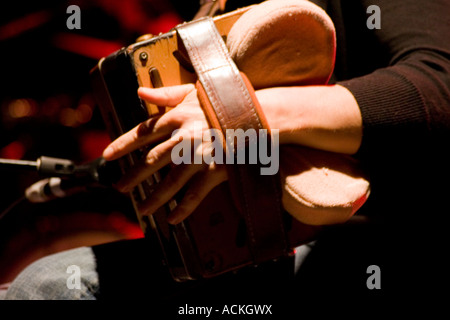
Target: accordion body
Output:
[(213, 240)]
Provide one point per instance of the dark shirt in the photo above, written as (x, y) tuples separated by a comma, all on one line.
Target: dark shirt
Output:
[(400, 77)]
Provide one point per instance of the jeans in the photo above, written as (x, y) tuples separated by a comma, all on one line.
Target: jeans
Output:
[(130, 270), (47, 278), (124, 267)]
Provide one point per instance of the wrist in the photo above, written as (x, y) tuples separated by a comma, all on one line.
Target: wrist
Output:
[(322, 117)]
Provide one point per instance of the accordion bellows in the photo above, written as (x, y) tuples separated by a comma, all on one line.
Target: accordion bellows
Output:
[(284, 42), (293, 42)]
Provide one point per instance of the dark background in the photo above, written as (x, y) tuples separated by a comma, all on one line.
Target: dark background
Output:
[(47, 108)]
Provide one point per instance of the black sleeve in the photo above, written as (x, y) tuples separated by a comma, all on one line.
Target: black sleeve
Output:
[(409, 97)]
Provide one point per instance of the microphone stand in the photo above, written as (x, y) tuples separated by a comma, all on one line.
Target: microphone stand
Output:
[(64, 177)]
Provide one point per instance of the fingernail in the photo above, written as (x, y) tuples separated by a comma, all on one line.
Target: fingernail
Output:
[(145, 210), (175, 217), (107, 153), (172, 220), (122, 187), (143, 90), (143, 213)]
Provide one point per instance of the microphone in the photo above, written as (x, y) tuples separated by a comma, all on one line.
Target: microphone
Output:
[(64, 178), (72, 179), (52, 188)]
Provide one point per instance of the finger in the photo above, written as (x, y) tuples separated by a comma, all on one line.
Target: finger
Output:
[(166, 96), (148, 132), (157, 158), (168, 188), (155, 128), (202, 183)]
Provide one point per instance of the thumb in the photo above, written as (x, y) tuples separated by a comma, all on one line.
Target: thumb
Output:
[(166, 96)]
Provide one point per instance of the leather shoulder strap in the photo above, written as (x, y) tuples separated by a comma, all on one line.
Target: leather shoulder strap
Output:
[(229, 102)]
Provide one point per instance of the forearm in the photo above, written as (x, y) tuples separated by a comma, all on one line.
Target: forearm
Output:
[(321, 117)]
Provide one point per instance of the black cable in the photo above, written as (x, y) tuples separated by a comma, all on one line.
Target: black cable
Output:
[(11, 207)]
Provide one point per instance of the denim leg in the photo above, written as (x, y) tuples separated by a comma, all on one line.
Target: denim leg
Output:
[(53, 277), (68, 275)]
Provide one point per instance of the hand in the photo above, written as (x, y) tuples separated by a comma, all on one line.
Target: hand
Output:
[(187, 116)]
